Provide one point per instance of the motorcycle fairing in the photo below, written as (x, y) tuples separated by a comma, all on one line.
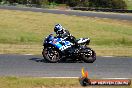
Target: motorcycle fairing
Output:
[(61, 44), (82, 40)]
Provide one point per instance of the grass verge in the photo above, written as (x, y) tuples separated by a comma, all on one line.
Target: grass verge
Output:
[(23, 32), (37, 49), (28, 82)]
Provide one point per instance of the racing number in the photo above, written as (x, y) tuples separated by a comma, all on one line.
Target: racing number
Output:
[(65, 47)]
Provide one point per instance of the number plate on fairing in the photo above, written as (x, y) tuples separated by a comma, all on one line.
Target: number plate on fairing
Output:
[(67, 45)]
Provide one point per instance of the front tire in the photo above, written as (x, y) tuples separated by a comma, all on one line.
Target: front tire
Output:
[(51, 54), (89, 56)]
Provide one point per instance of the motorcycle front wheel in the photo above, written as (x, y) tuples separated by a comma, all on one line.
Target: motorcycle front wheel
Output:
[(90, 56), (51, 54)]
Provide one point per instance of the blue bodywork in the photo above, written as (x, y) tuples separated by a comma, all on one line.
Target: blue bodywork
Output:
[(59, 43)]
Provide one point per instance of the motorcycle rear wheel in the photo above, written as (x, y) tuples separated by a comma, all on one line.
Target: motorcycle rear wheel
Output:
[(51, 54)]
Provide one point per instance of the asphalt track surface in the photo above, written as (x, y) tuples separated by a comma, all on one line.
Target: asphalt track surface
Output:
[(34, 66), (77, 13)]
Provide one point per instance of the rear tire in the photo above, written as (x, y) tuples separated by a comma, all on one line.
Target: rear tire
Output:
[(51, 54)]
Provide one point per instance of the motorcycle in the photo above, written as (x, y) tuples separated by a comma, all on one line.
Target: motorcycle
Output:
[(59, 49)]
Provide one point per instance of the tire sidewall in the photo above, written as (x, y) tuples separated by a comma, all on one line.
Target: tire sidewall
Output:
[(46, 58), (86, 59)]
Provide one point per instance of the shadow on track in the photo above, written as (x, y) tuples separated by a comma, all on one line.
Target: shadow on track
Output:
[(38, 60), (65, 61)]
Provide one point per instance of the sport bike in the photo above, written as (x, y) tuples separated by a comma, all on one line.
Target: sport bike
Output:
[(59, 49)]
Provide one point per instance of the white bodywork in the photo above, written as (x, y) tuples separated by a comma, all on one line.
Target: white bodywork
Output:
[(82, 40)]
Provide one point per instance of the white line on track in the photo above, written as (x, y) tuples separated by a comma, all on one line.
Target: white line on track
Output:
[(78, 77), (107, 56), (28, 54), (60, 77), (116, 78)]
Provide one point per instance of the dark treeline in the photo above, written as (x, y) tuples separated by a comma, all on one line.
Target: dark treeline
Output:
[(114, 4)]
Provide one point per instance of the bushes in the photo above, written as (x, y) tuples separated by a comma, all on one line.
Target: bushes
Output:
[(73, 3), (2, 2), (44, 3), (118, 4), (113, 4)]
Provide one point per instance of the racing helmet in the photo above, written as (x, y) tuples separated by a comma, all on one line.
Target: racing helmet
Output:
[(58, 28)]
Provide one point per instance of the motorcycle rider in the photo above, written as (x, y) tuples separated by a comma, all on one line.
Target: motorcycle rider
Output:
[(63, 33)]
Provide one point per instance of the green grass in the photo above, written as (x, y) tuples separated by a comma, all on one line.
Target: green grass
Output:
[(37, 49), (29, 28), (129, 4), (28, 82)]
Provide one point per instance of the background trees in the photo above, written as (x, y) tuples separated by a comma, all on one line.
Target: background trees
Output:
[(113, 4)]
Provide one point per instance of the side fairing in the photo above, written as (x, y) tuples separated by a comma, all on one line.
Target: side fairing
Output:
[(61, 44), (55, 43)]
